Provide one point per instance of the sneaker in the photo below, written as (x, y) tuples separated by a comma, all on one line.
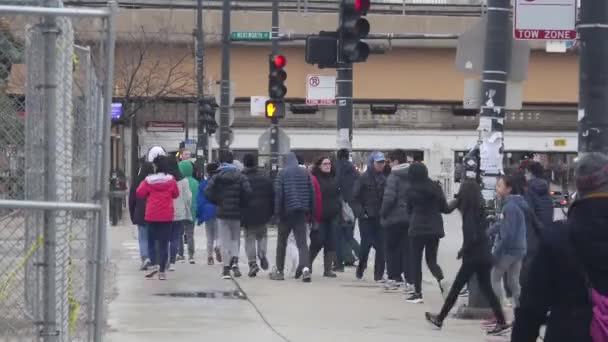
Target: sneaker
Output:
[(329, 274), (145, 264), (489, 323), (500, 330), (253, 270), (210, 261), (191, 260), (236, 272), (306, 276), (264, 263), (172, 267), (380, 281), (391, 285), (415, 298), (152, 272), (218, 254), (444, 286), (359, 273), (226, 273), (464, 293), (433, 320), (339, 269), (409, 288), (162, 276), (276, 275), (180, 258)]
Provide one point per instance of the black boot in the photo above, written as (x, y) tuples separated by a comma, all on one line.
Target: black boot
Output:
[(328, 259)]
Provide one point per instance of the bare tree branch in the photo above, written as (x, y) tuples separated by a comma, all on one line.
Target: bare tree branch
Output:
[(146, 74)]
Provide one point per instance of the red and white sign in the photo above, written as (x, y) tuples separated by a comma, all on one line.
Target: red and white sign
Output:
[(545, 20), (165, 126), (320, 90)]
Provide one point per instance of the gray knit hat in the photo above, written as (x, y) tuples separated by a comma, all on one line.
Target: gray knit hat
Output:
[(592, 173)]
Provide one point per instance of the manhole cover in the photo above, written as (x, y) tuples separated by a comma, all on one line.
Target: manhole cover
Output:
[(236, 294)]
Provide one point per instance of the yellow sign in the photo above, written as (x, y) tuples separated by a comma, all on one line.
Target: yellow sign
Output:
[(559, 142), (271, 108)]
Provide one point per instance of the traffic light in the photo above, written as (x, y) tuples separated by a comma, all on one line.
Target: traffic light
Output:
[(274, 109), (206, 109), (353, 28), (277, 77), (322, 49)]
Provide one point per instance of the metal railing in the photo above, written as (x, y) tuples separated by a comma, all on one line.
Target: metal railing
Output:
[(393, 7)]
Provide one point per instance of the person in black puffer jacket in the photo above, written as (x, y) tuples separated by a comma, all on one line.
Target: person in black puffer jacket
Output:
[(538, 194), (347, 247), (323, 235), (230, 191), (426, 202), (257, 214), (556, 294), (366, 204), (137, 209), (395, 221)]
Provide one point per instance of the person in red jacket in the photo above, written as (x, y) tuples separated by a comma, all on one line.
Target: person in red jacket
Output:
[(159, 190)]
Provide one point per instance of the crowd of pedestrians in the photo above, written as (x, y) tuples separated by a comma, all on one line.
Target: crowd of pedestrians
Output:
[(554, 273)]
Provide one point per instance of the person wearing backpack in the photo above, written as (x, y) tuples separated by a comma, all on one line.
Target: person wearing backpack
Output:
[(567, 287)]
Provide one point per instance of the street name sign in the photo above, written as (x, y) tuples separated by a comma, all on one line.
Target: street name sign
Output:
[(250, 36), (544, 20), (320, 90)]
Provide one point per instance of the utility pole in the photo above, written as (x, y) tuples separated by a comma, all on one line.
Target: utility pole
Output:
[(203, 136), (593, 93), (497, 54), (344, 100), (274, 125), (225, 82)]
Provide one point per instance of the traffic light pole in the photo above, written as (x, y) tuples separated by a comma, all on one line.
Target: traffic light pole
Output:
[(224, 124), (202, 136), (497, 51), (274, 125), (344, 100), (593, 93)]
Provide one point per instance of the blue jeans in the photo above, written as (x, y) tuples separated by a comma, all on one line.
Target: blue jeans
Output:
[(143, 236), (177, 236)]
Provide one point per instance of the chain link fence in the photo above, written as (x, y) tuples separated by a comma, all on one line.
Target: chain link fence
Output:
[(55, 72)]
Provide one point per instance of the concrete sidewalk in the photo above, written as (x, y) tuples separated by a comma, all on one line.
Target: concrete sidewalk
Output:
[(342, 309)]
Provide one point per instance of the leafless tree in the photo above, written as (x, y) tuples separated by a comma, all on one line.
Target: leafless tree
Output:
[(148, 70)]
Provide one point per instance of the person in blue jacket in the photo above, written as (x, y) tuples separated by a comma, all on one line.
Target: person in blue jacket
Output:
[(206, 213), (510, 243)]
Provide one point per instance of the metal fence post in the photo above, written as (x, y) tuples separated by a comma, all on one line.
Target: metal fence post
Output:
[(50, 331), (105, 170)]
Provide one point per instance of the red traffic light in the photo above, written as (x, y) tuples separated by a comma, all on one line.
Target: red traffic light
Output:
[(279, 61), (362, 6)]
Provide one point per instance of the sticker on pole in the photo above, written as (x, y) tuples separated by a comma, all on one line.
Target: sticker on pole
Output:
[(320, 90), (545, 20)]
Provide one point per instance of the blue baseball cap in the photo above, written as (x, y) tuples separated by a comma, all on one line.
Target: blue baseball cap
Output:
[(378, 156)]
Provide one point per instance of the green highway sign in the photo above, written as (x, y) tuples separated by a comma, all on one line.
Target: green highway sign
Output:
[(250, 36)]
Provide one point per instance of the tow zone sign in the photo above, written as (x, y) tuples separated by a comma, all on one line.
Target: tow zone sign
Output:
[(545, 20)]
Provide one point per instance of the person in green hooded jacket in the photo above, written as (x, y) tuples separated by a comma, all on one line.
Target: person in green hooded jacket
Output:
[(187, 169)]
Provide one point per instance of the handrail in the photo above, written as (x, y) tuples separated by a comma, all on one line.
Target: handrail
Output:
[(394, 7)]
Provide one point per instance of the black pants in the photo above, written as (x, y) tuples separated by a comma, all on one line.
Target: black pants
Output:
[(482, 271), (430, 246), (372, 235), (346, 244), (161, 235), (397, 249), (295, 222), (323, 237)]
